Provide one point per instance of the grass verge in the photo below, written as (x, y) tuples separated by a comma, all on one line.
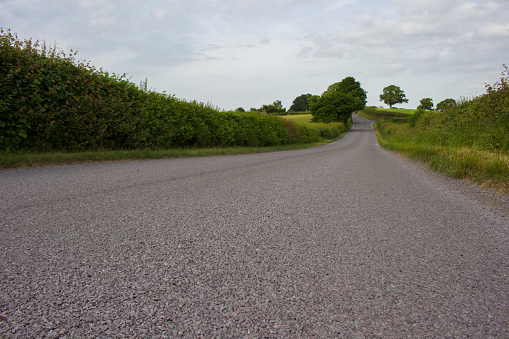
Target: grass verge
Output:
[(30, 159), (484, 168)]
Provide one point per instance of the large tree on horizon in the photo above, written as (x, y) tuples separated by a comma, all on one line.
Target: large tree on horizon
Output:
[(393, 95)]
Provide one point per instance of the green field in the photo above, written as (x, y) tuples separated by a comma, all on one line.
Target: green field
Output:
[(397, 110), (305, 119), (313, 131), (394, 115)]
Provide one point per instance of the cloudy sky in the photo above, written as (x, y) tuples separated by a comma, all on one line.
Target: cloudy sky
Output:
[(246, 53)]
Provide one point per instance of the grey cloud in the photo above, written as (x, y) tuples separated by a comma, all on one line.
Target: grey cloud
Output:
[(179, 44), (426, 42)]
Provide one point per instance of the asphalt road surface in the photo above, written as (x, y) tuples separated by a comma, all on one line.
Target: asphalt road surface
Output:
[(339, 241)]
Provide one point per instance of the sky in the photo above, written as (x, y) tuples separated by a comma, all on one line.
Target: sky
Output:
[(247, 53)]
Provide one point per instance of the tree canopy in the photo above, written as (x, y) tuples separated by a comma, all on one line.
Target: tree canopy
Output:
[(444, 104), (300, 104), (339, 101), (426, 104), (393, 95), (312, 99), (275, 107), (349, 85)]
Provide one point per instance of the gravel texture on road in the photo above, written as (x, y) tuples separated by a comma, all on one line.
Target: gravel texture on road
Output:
[(338, 241)]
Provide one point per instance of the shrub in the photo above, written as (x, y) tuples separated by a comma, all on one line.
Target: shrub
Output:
[(49, 101)]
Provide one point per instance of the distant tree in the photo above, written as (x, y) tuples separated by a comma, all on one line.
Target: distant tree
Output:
[(393, 95), (240, 109), (300, 104), (426, 104), (276, 107), (339, 101), (444, 104)]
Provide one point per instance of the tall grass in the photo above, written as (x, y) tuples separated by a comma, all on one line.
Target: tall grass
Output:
[(470, 140), (24, 159)]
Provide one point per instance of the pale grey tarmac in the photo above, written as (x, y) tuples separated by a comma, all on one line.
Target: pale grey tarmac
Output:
[(345, 240)]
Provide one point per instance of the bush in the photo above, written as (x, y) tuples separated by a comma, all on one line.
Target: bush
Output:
[(470, 139), (416, 117), (49, 101), (54, 103)]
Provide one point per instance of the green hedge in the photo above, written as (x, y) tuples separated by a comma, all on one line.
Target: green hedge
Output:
[(50, 101)]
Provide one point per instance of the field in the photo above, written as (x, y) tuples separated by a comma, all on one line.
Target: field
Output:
[(398, 110), (394, 115), (316, 131), (305, 119)]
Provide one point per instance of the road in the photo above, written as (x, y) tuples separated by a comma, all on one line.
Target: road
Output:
[(338, 241)]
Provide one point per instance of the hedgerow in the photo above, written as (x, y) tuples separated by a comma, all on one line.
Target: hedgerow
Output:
[(481, 123), (469, 140), (51, 101)]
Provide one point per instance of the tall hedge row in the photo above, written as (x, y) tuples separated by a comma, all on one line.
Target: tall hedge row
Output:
[(481, 123), (51, 101)]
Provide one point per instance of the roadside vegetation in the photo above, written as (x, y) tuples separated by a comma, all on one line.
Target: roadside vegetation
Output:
[(469, 139), (53, 106), (392, 114), (315, 131), (23, 159)]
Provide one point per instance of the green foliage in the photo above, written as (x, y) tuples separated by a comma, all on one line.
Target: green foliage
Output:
[(416, 117), (445, 104), (426, 104), (59, 103), (339, 101), (310, 132), (49, 101), (300, 104), (481, 123), (350, 86), (334, 106), (399, 116), (312, 99), (275, 108), (470, 139), (393, 95)]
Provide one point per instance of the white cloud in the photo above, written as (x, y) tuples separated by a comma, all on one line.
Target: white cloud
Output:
[(495, 30), (90, 3), (103, 22), (248, 53)]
